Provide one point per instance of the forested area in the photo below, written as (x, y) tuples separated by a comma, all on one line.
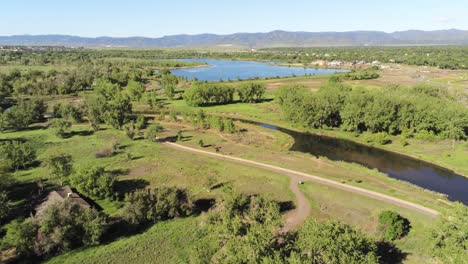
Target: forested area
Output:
[(421, 111), (444, 57), (203, 94)]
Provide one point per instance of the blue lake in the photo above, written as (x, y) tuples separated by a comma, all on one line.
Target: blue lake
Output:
[(234, 70)]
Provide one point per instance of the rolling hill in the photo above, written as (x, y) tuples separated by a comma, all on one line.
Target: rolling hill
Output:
[(276, 38)]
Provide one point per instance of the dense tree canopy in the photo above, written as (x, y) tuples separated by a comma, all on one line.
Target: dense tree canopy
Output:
[(251, 92), (154, 205), (393, 225), (93, 182), (60, 228), (333, 242), (16, 154), (450, 236), (201, 94), (392, 111)]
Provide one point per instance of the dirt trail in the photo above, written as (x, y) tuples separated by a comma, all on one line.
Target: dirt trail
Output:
[(297, 216)]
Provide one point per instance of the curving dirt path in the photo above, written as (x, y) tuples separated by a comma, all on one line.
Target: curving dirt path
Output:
[(297, 216)]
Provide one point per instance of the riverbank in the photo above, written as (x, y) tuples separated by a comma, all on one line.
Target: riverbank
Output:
[(439, 153)]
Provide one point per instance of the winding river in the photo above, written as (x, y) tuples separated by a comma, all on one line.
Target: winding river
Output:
[(415, 171)]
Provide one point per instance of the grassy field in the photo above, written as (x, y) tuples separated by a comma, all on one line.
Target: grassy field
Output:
[(271, 147), (150, 163), (165, 242)]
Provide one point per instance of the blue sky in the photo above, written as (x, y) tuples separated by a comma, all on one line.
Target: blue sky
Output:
[(167, 17)]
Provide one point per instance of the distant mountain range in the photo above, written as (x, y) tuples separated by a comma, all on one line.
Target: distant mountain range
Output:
[(276, 38)]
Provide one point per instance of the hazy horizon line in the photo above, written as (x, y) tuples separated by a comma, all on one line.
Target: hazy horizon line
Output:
[(226, 34)]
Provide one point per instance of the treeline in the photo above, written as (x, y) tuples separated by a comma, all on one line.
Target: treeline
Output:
[(421, 111), (203, 93), (444, 57), (201, 120), (67, 81), (70, 57), (361, 75)]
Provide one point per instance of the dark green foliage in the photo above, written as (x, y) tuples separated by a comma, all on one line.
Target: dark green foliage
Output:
[(20, 235), (153, 132), (68, 112), (201, 120), (93, 182), (4, 206), (241, 230), (60, 167), (361, 75), (64, 226), (202, 94), (17, 155), (393, 225), (450, 236), (392, 110), (21, 115), (109, 104), (251, 92), (140, 122), (169, 83), (60, 127), (154, 205), (130, 130), (332, 242), (118, 111), (135, 90)]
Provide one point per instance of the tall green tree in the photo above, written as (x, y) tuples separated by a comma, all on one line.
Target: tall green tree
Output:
[(93, 182), (60, 167), (251, 92), (393, 225), (153, 131), (135, 90), (60, 127), (17, 155)]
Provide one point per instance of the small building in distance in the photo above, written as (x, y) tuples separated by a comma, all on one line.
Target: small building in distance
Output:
[(61, 195), (319, 63), (335, 63)]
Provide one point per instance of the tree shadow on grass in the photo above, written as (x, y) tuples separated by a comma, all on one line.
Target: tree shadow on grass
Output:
[(220, 185), (203, 205), (174, 139), (238, 102), (389, 253), (25, 196), (82, 133), (126, 186), (285, 206)]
